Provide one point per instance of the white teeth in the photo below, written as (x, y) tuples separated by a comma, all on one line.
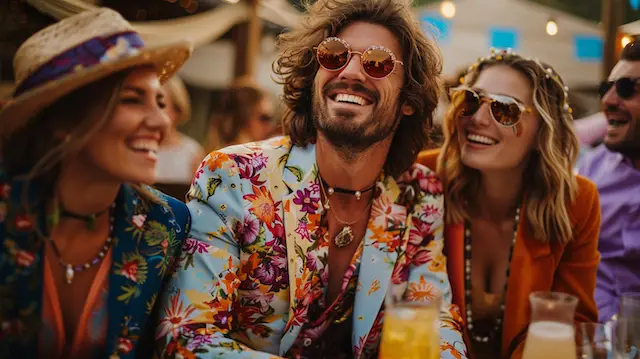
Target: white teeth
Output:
[(350, 99), (481, 139), (144, 145)]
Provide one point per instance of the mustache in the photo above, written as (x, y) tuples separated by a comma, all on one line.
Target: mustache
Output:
[(356, 88)]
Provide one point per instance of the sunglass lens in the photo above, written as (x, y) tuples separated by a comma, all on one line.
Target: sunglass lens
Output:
[(605, 87), (377, 63), (625, 87), (466, 101), (332, 54), (506, 114)]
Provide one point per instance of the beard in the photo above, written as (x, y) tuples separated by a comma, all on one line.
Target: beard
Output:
[(629, 144), (348, 135)]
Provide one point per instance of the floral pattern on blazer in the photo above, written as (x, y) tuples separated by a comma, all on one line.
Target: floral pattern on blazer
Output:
[(243, 287), (147, 241)]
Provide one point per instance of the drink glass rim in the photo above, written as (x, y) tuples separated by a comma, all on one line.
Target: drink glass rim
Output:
[(560, 297)]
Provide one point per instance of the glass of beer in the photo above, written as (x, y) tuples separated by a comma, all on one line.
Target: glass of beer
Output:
[(411, 329), (551, 332)]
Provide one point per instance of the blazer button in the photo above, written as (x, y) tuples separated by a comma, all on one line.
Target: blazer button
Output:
[(307, 342)]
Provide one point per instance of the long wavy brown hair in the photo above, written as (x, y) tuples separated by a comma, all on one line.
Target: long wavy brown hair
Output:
[(297, 67), (550, 185)]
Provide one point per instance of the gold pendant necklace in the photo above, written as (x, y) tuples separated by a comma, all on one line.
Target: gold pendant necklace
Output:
[(346, 235)]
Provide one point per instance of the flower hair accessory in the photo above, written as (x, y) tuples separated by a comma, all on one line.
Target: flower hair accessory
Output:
[(499, 55)]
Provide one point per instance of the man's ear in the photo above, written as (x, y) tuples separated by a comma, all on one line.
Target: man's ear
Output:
[(408, 110), (62, 136)]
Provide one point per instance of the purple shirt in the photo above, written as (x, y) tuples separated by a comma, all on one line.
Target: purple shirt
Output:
[(618, 183)]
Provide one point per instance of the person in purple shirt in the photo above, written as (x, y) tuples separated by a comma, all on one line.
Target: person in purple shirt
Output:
[(615, 168)]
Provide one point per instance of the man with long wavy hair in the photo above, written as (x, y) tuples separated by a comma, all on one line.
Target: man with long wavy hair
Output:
[(298, 241), (613, 166)]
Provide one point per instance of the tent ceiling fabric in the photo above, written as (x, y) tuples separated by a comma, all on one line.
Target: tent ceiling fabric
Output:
[(631, 28), (202, 28)]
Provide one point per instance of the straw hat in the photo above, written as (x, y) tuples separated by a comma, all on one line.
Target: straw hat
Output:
[(77, 51)]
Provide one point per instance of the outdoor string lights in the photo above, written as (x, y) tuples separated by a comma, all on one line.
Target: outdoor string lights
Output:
[(448, 9), (552, 27)]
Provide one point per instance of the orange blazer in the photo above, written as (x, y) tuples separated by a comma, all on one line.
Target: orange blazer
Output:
[(536, 266)]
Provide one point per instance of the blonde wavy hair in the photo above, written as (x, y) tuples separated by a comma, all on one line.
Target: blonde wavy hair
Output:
[(549, 184)]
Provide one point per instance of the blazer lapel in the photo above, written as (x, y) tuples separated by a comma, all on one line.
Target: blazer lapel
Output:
[(454, 251), (531, 258), (135, 277), (301, 215), (384, 239)]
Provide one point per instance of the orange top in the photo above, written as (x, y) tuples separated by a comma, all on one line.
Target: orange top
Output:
[(536, 266), (91, 333)]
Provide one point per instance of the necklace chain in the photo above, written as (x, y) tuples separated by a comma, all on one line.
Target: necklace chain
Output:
[(71, 270), (327, 206), (345, 236), (468, 284)]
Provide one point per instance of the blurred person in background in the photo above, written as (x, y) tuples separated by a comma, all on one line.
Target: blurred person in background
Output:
[(245, 115), (614, 167), (179, 155), (517, 218), (85, 245), (592, 129)]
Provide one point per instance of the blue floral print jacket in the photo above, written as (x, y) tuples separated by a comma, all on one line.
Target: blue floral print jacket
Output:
[(147, 241)]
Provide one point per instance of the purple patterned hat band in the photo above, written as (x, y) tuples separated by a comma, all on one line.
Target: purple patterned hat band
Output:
[(96, 51)]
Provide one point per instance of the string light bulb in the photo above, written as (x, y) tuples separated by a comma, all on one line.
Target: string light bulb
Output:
[(448, 9), (625, 41), (552, 27)]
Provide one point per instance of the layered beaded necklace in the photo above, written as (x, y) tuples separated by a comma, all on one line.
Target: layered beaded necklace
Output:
[(497, 328), (69, 269)]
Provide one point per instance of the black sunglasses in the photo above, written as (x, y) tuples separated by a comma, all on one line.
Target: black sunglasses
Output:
[(625, 87)]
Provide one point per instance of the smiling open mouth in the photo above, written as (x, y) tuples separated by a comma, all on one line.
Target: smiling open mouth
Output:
[(617, 123), (480, 140), (144, 146), (354, 99)]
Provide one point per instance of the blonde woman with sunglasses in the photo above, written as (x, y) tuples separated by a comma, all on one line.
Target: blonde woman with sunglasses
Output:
[(518, 219)]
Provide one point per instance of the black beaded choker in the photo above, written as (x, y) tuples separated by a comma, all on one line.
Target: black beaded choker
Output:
[(358, 194), (88, 219)]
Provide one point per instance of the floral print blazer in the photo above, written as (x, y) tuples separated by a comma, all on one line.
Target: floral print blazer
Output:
[(243, 289), (147, 239)]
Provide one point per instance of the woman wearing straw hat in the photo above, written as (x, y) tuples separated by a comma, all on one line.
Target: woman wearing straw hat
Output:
[(85, 246)]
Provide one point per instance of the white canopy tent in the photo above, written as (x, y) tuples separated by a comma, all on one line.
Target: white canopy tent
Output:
[(469, 36), (202, 28), (632, 28)]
